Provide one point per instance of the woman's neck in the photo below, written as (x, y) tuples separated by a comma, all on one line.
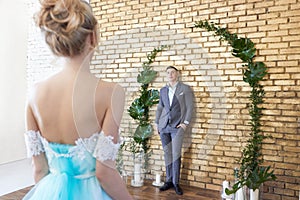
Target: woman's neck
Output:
[(78, 63)]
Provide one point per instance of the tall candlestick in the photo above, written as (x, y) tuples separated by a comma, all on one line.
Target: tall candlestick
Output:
[(157, 178)]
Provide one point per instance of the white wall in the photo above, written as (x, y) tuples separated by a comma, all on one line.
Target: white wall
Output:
[(13, 43)]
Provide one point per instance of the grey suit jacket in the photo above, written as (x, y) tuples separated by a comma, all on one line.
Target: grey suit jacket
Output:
[(181, 109)]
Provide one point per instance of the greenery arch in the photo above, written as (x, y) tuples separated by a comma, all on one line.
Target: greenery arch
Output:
[(251, 173)]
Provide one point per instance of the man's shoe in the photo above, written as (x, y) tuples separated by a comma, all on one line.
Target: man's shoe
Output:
[(166, 186), (178, 189)]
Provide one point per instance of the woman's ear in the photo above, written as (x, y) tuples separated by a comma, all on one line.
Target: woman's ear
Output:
[(94, 38)]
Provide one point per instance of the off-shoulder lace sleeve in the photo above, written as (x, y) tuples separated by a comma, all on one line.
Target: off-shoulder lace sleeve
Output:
[(105, 149), (33, 143)]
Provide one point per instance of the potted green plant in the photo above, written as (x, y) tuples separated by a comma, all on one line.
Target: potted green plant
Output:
[(252, 173), (140, 108)]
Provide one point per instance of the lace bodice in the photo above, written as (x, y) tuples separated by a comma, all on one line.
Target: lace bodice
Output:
[(71, 167), (98, 145)]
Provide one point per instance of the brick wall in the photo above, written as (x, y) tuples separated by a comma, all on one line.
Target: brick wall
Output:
[(131, 29), (40, 62)]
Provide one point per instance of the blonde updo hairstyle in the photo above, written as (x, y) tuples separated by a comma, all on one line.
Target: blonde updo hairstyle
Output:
[(66, 24)]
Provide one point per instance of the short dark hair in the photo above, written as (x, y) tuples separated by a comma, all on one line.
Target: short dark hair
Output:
[(172, 67)]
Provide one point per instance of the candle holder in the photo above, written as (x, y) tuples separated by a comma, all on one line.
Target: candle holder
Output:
[(157, 181), (138, 175)]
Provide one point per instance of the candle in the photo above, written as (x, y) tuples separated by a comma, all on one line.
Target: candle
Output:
[(225, 185), (157, 178), (137, 168), (239, 194), (137, 173)]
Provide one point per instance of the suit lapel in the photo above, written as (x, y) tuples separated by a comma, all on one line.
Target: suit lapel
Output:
[(178, 89), (166, 95)]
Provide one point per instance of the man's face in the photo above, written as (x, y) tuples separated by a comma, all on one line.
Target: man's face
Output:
[(172, 75)]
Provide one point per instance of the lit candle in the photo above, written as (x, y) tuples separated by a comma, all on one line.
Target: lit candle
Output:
[(157, 178)]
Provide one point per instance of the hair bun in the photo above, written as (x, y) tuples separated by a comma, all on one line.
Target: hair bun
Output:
[(60, 19), (60, 16)]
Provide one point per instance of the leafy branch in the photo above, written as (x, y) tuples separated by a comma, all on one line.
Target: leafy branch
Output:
[(251, 173), (139, 108)]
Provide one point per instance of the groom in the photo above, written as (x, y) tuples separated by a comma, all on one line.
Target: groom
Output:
[(173, 116)]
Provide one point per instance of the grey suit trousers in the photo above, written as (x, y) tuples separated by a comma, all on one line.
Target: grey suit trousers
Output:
[(172, 139)]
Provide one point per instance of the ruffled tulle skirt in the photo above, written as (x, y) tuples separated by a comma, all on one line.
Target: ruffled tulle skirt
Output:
[(64, 187)]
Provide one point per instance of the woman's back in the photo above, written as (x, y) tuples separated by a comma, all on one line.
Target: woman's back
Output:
[(66, 108), (77, 119)]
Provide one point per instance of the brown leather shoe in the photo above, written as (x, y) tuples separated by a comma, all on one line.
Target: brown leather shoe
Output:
[(166, 186), (178, 189)]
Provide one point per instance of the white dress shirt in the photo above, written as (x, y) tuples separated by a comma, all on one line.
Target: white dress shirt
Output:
[(172, 92)]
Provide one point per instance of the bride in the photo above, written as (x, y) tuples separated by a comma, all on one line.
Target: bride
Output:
[(72, 117)]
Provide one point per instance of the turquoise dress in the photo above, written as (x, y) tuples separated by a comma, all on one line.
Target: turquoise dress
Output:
[(71, 167)]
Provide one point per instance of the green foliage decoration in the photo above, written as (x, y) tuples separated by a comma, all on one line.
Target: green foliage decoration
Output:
[(139, 108), (251, 172)]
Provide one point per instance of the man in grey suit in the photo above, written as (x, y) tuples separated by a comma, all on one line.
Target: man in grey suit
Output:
[(173, 116)]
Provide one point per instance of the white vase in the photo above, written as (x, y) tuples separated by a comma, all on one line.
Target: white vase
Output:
[(254, 195)]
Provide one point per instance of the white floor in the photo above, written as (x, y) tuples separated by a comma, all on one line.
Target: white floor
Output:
[(15, 176)]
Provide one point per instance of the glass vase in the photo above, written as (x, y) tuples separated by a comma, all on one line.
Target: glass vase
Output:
[(138, 175), (250, 194)]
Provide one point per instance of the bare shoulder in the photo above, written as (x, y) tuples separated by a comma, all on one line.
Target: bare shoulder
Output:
[(40, 89), (35, 90), (110, 88)]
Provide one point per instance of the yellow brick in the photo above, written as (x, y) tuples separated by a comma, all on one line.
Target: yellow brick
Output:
[(289, 26), (290, 13), (275, 58), (234, 2), (295, 44), (213, 187), (270, 27), (218, 16), (280, 76), (288, 63), (256, 23), (278, 8), (167, 2), (247, 18), (255, 35), (293, 69), (269, 52), (264, 4), (256, 11), (282, 2), (278, 45), (273, 158), (291, 101)]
